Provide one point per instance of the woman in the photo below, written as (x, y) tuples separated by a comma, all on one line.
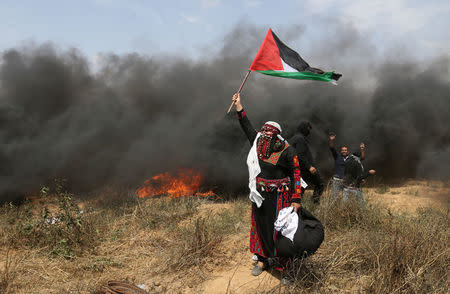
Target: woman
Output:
[(274, 182)]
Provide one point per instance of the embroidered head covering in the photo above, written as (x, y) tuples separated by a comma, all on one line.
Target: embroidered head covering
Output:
[(269, 143), (271, 126)]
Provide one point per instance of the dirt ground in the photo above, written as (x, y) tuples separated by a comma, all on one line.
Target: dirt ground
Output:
[(132, 257), (411, 195), (236, 277)]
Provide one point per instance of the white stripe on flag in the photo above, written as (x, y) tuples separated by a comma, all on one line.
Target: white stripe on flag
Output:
[(287, 67)]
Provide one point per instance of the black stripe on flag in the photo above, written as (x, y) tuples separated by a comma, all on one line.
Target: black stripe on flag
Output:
[(291, 57), (294, 59)]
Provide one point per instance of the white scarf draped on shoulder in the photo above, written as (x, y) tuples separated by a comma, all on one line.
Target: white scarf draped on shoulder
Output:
[(254, 169)]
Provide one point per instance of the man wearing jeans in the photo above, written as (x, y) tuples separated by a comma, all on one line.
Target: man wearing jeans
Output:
[(337, 183)]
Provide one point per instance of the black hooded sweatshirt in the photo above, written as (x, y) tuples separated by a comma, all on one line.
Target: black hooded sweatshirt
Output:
[(299, 142), (354, 172)]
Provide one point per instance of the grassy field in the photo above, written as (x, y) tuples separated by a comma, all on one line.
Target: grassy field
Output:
[(398, 243)]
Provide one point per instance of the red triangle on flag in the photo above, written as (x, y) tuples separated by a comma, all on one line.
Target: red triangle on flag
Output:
[(268, 56)]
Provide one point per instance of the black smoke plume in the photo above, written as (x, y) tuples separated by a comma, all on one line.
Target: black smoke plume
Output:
[(139, 115)]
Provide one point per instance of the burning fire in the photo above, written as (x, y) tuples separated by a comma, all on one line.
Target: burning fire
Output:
[(186, 183)]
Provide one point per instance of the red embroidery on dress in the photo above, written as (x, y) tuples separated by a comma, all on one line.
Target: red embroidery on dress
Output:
[(275, 156), (255, 239), (297, 179), (283, 194), (241, 114), (272, 185), (283, 201)]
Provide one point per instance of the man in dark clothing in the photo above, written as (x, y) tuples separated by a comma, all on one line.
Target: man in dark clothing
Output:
[(337, 182), (353, 176), (308, 171)]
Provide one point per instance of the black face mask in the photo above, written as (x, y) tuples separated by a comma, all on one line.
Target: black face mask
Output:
[(277, 144), (304, 128)]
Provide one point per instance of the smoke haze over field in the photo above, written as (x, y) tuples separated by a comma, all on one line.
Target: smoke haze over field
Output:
[(140, 115)]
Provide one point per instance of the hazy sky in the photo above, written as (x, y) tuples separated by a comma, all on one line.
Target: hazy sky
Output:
[(189, 26), (126, 113)]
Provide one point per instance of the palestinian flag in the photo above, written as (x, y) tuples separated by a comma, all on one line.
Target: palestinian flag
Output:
[(274, 58)]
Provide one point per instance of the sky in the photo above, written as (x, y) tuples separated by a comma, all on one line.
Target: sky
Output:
[(93, 122), (190, 27)]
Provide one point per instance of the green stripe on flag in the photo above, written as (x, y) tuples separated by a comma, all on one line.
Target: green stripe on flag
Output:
[(300, 75)]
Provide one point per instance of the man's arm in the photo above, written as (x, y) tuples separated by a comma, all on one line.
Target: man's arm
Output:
[(365, 175), (362, 147), (332, 149)]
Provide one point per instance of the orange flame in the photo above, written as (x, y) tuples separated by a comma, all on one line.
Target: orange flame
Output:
[(186, 183)]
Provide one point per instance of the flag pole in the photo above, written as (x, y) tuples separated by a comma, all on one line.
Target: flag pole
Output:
[(240, 88)]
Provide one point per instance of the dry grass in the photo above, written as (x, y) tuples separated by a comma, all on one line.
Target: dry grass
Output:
[(411, 195), (160, 242), (9, 271), (369, 249), (175, 245), (56, 225)]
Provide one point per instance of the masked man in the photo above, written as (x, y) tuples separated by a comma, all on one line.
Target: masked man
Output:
[(309, 172), (274, 182)]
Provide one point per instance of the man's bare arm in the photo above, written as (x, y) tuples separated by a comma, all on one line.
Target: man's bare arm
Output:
[(362, 147), (332, 137)]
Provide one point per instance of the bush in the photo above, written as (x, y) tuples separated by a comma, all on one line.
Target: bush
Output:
[(62, 231)]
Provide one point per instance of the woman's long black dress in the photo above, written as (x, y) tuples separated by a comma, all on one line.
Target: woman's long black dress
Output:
[(279, 184)]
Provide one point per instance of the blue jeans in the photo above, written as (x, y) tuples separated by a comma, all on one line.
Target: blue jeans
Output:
[(354, 193), (336, 187)]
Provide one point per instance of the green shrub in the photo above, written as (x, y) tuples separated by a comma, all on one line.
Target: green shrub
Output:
[(62, 231)]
